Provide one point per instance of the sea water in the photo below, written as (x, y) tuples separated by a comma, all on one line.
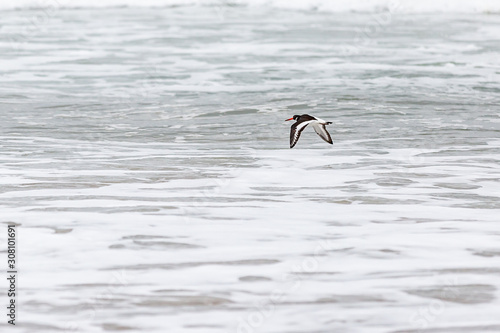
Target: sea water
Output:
[(145, 160)]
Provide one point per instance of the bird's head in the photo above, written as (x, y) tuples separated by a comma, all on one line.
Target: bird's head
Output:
[(296, 117)]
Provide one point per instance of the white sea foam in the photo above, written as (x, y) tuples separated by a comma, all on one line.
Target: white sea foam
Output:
[(151, 145), (407, 6)]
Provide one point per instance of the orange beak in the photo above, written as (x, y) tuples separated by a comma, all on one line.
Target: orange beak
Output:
[(289, 119)]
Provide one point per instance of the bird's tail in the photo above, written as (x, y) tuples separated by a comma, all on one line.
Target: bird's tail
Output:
[(328, 122)]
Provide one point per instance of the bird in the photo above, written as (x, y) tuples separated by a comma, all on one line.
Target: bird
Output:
[(301, 123)]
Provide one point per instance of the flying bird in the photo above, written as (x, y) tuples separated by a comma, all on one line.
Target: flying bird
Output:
[(302, 121)]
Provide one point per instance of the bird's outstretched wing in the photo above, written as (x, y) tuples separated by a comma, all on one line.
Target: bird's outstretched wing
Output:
[(320, 129), (295, 131)]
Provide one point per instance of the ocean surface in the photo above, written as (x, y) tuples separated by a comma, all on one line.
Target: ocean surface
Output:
[(145, 159)]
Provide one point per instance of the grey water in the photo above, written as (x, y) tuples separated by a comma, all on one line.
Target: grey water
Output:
[(145, 159)]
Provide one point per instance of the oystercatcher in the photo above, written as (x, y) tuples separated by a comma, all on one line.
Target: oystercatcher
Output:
[(302, 122)]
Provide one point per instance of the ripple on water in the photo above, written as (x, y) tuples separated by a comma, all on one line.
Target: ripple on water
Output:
[(464, 294), (163, 266)]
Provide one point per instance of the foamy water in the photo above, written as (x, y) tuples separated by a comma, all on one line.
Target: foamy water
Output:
[(145, 159), (407, 6)]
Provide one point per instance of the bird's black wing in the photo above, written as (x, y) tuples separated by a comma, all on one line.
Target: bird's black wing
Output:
[(320, 129), (295, 131)]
